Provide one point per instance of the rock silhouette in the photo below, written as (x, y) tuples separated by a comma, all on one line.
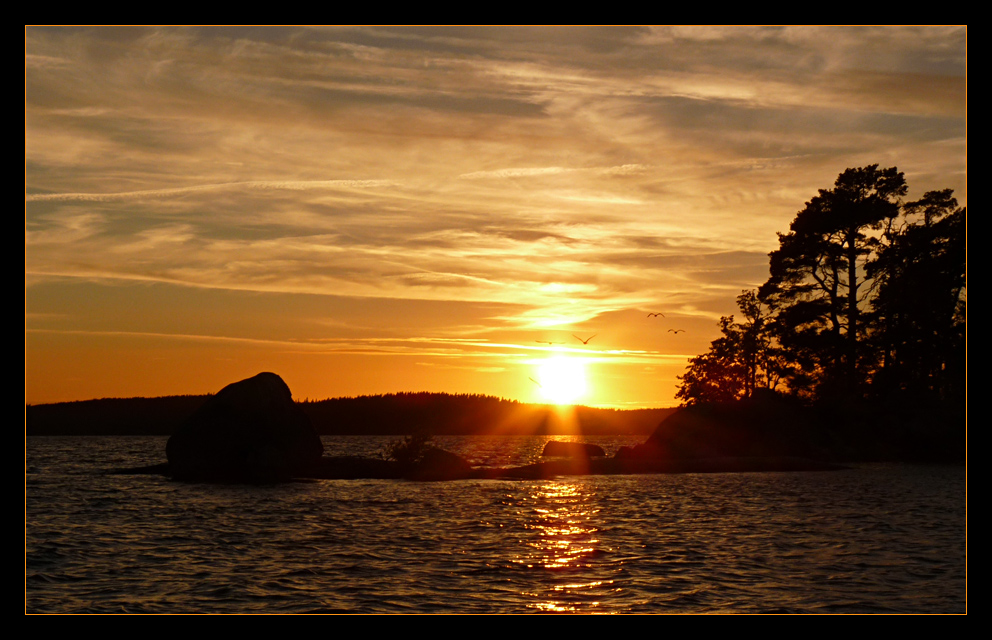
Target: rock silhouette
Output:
[(438, 464), (251, 431), (572, 449), (764, 426)]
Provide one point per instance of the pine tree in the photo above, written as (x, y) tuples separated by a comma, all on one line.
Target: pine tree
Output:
[(919, 311), (819, 280)]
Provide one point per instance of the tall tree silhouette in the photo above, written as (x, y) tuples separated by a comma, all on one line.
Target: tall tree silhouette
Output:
[(864, 317), (819, 277), (920, 308)]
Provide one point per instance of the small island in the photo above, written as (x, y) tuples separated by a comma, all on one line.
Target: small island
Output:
[(253, 432)]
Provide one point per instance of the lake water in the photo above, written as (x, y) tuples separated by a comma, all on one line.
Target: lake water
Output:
[(880, 538)]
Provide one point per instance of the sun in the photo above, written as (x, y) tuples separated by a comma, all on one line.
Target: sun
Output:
[(562, 379)]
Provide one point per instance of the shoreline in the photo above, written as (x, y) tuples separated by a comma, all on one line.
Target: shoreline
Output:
[(356, 468)]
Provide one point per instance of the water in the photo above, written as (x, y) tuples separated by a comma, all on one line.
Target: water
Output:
[(872, 539)]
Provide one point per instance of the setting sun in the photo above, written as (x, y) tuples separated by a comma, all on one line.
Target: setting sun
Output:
[(562, 379), (495, 319)]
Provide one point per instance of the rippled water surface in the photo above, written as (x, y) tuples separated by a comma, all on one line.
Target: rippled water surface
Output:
[(876, 538)]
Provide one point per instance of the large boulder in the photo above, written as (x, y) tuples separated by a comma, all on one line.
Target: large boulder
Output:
[(251, 431)]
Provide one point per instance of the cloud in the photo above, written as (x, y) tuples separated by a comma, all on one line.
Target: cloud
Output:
[(516, 173), (554, 176), (298, 185)]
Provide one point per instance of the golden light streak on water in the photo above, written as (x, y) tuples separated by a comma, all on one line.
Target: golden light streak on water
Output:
[(870, 539), (565, 533)]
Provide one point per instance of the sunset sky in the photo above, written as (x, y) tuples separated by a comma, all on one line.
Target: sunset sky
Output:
[(368, 210)]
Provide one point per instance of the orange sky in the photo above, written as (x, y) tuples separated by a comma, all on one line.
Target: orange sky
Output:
[(369, 210)]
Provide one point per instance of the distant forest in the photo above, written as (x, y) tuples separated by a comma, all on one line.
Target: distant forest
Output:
[(391, 414)]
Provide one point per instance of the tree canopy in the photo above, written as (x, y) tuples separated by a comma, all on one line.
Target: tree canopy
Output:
[(866, 297), (738, 362)]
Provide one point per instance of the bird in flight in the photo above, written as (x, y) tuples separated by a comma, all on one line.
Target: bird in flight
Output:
[(676, 331), (536, 382), (546, 342), (586, 341), (655, 315)]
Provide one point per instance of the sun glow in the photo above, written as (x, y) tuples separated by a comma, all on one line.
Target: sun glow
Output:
[(562, 379)]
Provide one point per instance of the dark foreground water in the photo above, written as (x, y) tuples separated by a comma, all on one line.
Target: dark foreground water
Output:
[(872, 539)]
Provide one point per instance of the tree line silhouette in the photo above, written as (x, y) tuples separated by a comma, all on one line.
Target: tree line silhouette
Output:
[(865, 307), (386, 414)]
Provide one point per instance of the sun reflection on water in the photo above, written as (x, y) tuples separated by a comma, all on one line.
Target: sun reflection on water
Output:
[(561, 519)]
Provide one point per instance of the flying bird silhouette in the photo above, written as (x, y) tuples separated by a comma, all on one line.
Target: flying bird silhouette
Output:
[(676, 331), (546, 342), (586, 341), (536, 382), (655, 315)]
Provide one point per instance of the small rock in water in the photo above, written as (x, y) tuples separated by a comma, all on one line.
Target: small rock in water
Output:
[(572, 450)]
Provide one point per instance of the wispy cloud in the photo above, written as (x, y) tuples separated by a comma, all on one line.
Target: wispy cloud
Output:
[(297, 185), (563, 176)]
